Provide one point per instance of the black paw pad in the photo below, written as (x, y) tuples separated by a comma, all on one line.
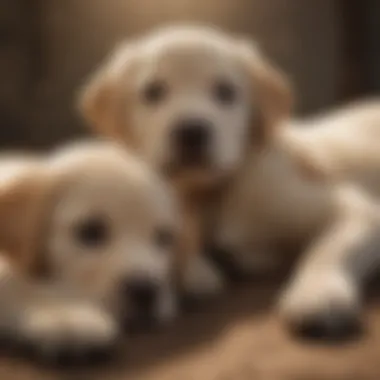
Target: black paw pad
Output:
[(334, 326), (68, 355)]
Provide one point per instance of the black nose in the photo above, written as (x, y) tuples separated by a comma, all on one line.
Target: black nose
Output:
[(192, 134), (141, 293)]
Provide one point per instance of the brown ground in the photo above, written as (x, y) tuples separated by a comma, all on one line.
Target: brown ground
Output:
[(234, 339)]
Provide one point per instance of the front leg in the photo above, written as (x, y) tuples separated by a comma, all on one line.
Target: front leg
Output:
[(201, 278), (241, 257), (245, 264), (67, 332), (323, 298), (52, 326), (196, 275)]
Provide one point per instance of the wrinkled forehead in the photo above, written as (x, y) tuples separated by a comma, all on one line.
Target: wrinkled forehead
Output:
[(189, 55)]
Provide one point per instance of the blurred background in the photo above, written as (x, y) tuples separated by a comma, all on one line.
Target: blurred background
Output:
[(48, 48)]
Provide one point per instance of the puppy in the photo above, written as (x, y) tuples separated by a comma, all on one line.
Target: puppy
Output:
[(86, 237), (222, 129), (314, 190), (192, 101)]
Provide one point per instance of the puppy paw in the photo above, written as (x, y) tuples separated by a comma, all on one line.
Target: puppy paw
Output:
[(74, 334), (202, 279), (168, 307), (324, 308)]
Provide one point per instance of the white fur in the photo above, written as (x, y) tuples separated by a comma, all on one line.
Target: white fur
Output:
[(78, 306), (329, 211)]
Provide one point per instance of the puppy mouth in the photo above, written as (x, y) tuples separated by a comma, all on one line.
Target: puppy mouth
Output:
[(175, 170), (188, 162), (193, 159)]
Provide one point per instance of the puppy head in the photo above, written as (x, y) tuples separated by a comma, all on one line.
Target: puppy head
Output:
[(105, 228), (188, 99)]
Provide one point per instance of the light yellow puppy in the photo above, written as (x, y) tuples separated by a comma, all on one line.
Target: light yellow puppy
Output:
[(210, 112), (86, 238), (191, 101)]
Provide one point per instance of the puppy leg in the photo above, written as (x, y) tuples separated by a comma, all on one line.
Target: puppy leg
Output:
[(239, 265), (198, 277), (232, 251), (323, 298), (69, 330), (52, 325), (201, 278), (167, 305)]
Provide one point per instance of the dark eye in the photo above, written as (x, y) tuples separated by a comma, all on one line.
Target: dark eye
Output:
[(155, 92), (92, 232), (224, 92), (164, 238)]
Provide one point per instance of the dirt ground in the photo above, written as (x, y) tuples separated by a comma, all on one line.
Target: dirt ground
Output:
[(235, 338)]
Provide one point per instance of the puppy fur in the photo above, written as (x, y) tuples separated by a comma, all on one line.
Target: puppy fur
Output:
[(148, 85), (304, 184), (313, 190), (79, 227)]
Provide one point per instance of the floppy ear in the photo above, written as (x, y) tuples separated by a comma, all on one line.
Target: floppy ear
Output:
[(23, 204), (103, 101), (271, 92)]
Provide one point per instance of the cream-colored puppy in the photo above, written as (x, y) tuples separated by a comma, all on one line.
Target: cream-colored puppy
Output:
[(192, 101), (314, 189), (86, 236), (211, 112)]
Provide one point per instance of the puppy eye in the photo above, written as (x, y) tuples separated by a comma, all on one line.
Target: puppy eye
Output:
[(224, 92), (164, 238), (155, 92), (92, 232)]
